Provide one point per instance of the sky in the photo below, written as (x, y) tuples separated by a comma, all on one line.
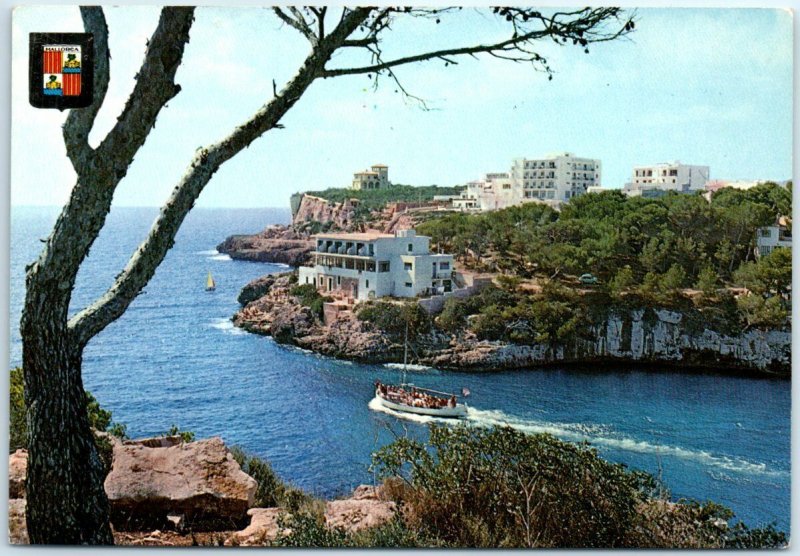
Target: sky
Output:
[(702, 86)]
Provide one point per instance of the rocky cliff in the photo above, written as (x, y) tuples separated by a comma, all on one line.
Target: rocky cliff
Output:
[(276, 244), (317, 209), (657, 337)]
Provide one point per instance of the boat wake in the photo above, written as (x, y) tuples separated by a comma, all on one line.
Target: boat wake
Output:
[(410, 367), (598, 435), (376, 405), (214, 255)]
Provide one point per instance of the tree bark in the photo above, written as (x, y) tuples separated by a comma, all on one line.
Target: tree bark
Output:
[(66, 502)]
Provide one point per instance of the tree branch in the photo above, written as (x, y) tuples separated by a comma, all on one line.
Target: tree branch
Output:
[(142, 265), (298, 23), (79, 122), (581, 31), (100, 171), (155, 86)]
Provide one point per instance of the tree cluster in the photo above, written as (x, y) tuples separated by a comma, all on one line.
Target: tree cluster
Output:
[(669, 242)]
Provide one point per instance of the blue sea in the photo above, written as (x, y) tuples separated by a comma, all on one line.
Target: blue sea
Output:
[(175, 358)]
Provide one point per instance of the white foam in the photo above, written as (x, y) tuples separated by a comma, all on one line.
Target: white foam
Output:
[(580, 432), (376, 405), (410, 367), (209, 252), (281, 265), (221, 257), (595, 434), (227, 326)]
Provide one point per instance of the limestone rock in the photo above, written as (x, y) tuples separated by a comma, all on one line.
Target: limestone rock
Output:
[(256, 289), (275, 244), (263, 528), (316, 209), (17, 527), (200, 480), (17, 473), (365, 509)]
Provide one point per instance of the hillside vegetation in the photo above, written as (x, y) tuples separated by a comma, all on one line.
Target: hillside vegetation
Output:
[(661, 252), (376, 199)]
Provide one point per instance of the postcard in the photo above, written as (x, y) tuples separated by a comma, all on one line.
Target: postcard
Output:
[(401, 277)]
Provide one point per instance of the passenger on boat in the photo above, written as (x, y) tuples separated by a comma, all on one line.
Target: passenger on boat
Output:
[(451, 402)]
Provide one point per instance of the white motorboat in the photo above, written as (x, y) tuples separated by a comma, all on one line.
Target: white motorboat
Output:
[(408, 398)]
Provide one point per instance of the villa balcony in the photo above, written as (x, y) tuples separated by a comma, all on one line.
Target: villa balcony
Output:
[(348, 262)]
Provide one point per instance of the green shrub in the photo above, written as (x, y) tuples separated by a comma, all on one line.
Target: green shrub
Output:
[(309, 531), (306, 530), (185, 436), (487, 488), (622, 282), (18, 433), (309, 297), (502, 488), (272, 491), (395, 318), (453, 317)]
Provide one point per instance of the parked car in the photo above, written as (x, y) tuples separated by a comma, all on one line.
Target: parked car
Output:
[(588, 279)]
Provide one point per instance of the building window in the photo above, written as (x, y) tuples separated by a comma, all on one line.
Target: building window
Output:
[(408, 266), (383, 266), (338, 280), (306, 279), (410, 247), (409, 285), (367, 282), (444, 266)]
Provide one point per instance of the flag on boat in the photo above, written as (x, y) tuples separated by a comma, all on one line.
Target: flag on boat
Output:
[(465, 392)]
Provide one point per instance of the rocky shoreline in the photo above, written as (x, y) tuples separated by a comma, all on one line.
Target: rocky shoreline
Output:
[(275, 244), (657, 338)]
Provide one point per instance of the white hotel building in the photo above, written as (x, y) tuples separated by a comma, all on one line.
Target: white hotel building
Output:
[(554, 179), (372, 265)]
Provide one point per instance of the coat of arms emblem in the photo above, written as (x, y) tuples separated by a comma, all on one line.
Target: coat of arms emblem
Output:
[(61, 70)]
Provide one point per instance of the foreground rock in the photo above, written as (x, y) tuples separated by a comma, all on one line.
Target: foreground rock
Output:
[(276, 244), (199, 481), (17, 473), (262, 530), (367, 508)]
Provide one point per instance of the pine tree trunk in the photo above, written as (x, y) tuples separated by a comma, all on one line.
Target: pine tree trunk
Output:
[(66, 502)]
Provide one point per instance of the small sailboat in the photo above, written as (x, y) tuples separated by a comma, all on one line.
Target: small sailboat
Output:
[(210, 284), (409, 398)]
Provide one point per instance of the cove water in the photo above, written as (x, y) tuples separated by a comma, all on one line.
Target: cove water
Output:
[(175, 358)]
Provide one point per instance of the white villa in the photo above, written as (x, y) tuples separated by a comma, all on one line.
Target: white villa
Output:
[(375, 178), (657, 179), (770, 237), (373, 265)]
